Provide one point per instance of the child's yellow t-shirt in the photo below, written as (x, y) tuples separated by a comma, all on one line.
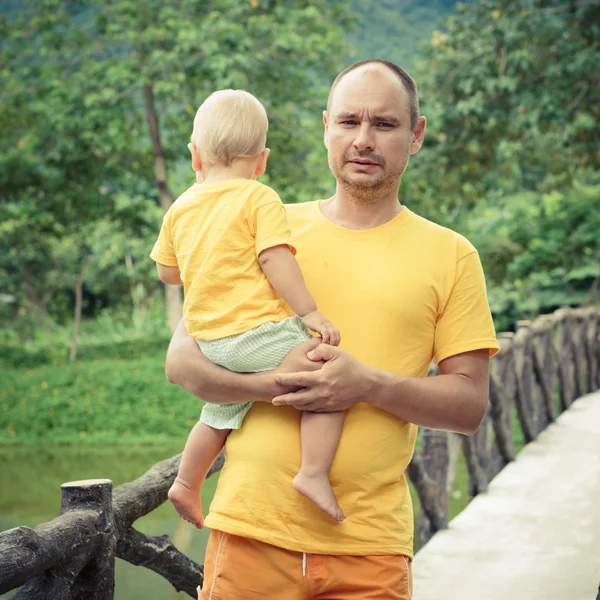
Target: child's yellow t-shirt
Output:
[(214, 234)]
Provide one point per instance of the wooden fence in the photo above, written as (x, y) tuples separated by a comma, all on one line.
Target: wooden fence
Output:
[(541, 370)]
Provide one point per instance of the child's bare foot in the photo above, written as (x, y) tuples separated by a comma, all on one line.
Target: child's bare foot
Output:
[(316, 487), (187, 503)]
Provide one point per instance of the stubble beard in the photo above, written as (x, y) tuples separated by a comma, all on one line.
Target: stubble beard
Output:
[(369, 191)]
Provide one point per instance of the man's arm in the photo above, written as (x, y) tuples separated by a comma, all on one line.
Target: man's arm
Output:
[(187, 367), (454, 400)]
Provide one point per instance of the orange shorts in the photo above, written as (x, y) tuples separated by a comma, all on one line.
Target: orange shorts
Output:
[(238, 568)]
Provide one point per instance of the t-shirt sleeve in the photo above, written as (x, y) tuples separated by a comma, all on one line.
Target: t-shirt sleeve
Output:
[(466, 322), (271, 225), (163, 252)]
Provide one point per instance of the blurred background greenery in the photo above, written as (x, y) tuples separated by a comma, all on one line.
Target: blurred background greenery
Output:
[(97, 104)]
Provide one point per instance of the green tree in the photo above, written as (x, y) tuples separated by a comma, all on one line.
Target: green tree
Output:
[(540, 250), (56, 155), (511, 91), (100, 94), (169, 56)]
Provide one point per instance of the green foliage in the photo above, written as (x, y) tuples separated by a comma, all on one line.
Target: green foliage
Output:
[(55, 160), (540, 251), (509, 89), (286, 53), (103, 400), (98, 100), (137, 333), (511, 93)]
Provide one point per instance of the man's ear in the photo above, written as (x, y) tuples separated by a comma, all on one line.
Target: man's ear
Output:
[(196, 160), (261, 166), (418, 135), (326, 123)]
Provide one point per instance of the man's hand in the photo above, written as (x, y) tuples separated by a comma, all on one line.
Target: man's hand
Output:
[(338, 385), (296, 360)]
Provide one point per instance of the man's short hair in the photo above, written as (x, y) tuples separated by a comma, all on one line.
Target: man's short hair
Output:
[(230, 124), (407, 81)]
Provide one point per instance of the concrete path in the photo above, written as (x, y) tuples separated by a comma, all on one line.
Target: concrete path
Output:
[(535, 535)]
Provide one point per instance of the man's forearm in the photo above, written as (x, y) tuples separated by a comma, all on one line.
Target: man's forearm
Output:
[(452, 402), (187, 367)]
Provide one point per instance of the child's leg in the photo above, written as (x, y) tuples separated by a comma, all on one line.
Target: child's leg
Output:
[(320, 434), (201, 449)]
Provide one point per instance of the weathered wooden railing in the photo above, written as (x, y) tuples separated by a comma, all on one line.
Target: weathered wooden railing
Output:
[(540, 371), (73, 556)]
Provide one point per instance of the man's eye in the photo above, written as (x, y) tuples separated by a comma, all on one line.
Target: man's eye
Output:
[(384, 124), (349, 122)]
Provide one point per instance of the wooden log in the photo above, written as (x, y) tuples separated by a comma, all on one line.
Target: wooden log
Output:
[(428, 471), (502, 431), (591, 339), (96, 580), (426, 489), (590, 336), (564, 358), (502, 392), (55, 583), (577, 336), (137, 498), (543, 380), (543, 328), (534, 392), (159, 555), (25, 552), (478, 482), (522, 367), (481, 440), (454, 447), (506, 376), (596, 344)]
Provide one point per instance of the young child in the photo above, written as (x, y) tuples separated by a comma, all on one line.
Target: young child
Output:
[(228, 242)]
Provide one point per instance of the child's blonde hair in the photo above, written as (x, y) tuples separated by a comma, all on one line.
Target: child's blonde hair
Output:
[(230, 124)]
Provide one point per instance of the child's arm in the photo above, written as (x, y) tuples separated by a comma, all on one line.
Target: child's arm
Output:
[(169, 275), (284, 274)]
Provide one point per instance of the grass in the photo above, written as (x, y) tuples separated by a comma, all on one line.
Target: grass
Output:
[(97, 400)]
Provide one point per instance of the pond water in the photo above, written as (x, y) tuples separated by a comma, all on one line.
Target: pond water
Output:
[(30, 479)]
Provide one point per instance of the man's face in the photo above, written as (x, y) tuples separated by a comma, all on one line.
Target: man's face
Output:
[(368, 133)]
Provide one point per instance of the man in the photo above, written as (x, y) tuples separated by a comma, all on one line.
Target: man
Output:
[(402, 291)]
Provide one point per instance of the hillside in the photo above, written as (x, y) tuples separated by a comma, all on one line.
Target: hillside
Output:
[(393, 29)]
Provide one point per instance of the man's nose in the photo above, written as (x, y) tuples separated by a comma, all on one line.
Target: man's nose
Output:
[(364, 139)]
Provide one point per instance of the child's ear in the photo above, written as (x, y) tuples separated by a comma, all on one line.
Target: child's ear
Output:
[(261, 166), (196, 160)]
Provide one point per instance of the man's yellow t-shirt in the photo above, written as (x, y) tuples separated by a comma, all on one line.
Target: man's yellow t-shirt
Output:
[(401, 294), (214, 234)]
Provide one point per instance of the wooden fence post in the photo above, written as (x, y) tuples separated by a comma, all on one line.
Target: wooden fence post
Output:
[(524, 391), (435, 461), (543, 365), (96, 581)]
